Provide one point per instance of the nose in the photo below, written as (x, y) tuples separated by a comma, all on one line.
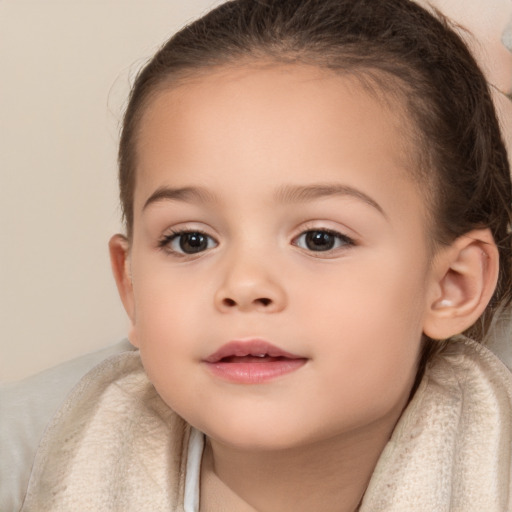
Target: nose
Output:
[(249, 285)]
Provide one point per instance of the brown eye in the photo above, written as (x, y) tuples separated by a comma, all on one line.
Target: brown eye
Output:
[(188, 242), (191, 243), (320, 240)]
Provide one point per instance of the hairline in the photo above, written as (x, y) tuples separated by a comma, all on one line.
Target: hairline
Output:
[(379, 83)]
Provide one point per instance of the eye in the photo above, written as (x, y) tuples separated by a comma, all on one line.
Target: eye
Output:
[(321, 240), (187, 242)]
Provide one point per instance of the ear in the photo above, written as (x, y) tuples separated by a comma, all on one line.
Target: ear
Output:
[(119, 248), (464, 279)]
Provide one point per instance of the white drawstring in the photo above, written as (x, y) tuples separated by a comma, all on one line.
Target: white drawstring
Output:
[(193, 471)]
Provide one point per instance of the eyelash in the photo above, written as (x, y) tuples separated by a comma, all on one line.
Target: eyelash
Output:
[(343, 241), (165, 243)]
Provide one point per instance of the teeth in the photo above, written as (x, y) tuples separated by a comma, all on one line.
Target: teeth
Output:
[(259, 355)]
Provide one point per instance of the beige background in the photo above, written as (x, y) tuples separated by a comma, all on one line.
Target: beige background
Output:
[(65, 70)]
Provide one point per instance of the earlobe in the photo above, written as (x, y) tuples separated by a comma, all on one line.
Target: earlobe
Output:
[(464, 279), (119, 249)]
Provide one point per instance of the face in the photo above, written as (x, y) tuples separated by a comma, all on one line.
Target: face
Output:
[(279, 256)]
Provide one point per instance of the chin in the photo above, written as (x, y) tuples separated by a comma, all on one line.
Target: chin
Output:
[(255, 442), (256, 436)]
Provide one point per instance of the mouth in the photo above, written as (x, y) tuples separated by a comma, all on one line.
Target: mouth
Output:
[(252, 362), (259, 350)]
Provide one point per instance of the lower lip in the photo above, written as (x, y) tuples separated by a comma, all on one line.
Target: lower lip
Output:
[(254, 372)]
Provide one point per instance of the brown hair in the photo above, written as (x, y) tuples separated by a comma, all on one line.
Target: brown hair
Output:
[(398, 47)]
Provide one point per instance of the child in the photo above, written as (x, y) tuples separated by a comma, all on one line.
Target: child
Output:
[(316, 194)]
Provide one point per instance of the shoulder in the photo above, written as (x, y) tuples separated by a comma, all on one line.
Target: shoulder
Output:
[(114, 444), (470, 373), (451, 449), (26, 408)]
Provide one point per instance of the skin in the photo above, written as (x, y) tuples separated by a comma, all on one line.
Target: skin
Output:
[(311, 438)]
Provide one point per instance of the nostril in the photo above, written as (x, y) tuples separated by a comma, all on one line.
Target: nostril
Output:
[(230, 303)]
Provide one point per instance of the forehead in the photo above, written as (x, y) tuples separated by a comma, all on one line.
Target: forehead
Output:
[(306, 98), (238, 128)]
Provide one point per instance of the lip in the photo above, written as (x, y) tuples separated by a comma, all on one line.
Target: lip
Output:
[(252, 361), (250, 347)]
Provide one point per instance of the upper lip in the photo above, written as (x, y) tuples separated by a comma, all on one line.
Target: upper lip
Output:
[(252, 347)]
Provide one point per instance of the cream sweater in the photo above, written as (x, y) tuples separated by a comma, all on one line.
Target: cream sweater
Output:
[(115, 446)]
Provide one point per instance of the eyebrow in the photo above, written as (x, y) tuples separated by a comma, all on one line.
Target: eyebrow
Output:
[(187, 194), (299, 193), (285, 194)]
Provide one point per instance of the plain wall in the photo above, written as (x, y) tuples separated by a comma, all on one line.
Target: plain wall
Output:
[(65, 72)]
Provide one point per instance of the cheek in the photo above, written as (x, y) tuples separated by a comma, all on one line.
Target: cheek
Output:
[(374, 293), (369, 325), (166, 295), (167, 320)]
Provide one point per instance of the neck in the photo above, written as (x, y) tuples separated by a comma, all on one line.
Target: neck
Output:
[(331, 475)]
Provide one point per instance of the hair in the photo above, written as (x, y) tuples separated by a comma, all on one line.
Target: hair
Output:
[(402, 51)]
